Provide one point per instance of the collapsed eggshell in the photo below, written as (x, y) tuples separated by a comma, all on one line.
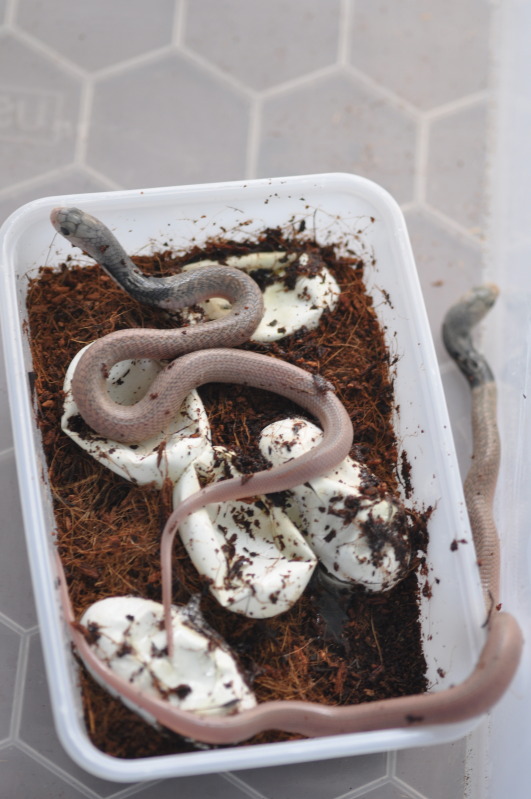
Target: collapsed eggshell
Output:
[(162, 456), (286, 310), (358, 538), (255, 560), (202, 676)]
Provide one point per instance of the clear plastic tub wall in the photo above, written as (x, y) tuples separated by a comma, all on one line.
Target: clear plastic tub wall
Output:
[(503, 750), (357, 215)]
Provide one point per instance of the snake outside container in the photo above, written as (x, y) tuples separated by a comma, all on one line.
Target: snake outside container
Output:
[(348, 212)]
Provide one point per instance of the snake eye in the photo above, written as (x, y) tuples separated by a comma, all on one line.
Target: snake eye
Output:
[(65, 231)]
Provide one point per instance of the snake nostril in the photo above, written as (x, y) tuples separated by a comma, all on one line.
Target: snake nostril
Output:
[(65, 231)]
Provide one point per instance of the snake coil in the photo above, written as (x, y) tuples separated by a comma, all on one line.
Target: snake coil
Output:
[(500, 655)]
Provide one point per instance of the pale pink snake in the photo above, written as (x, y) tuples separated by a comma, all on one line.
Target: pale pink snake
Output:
[(201, 364), (501, 653)]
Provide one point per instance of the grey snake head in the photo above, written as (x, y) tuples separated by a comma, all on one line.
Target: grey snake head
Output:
[(457, 333), (75, 225)]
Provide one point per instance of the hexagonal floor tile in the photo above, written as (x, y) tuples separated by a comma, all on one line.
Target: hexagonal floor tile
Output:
[(167, 122), (9, 654), (456, 168), (211, 785), (6, 434), (39, 105), (37, 727), (17, 596), (71, 180), (338, 124), (437, 772), (448, 265), (263, 44), (101, 33), (389, 790), (317, 780), (411, 46), (25, 777)]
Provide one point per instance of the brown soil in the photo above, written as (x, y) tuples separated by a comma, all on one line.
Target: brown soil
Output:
[(108, 529)]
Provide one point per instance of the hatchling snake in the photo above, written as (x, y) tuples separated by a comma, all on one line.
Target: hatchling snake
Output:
[(500, 655)]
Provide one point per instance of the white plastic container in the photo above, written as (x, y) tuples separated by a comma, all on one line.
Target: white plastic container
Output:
[(337, 208)]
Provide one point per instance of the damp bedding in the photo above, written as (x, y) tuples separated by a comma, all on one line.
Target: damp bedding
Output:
[(325, 649)]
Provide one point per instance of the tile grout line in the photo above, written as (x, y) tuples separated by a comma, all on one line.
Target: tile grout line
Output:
[(179, 23), (361, 792), (111, 184), (233, 779), (253, 139), (422, 154), (412, 793), (10, 14), (452, 224), (15, 627), (49, 765), (379, 782), (38, 46), (20, 682), (121, 67), (132, 790), (392, 97), (302, 81), (461, 104), (204, 64), (391, 764), (409, 207), (28, 183), (83, 127), (7, 452), (346, 16)]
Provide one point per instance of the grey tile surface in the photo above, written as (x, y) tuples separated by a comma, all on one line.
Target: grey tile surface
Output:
[(427, 53), (23, 776), (16, 597), (6, 436), (134, 94), (431, 775), (389, 790), (325, 780), (40, 108), (448, 262), (194, 787), (457, 152), (10, 644), (98, 34), (37, 724), (263, 44), (309, 128), (69, 180), (165, 122)]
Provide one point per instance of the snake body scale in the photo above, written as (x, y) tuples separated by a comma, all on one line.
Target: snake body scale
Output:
[(500, 655)]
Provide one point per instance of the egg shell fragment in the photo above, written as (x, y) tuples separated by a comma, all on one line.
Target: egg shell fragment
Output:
[(165, 455), (286, 310), (127, 633), (357, 538), (256, 561)]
